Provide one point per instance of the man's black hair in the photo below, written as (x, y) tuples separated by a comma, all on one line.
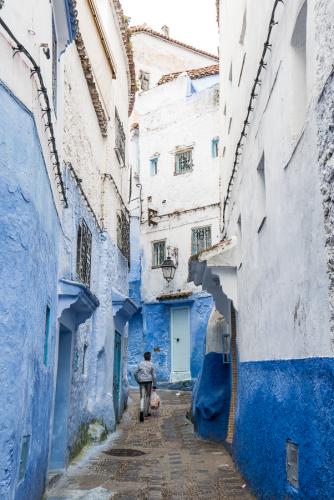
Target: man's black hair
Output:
[(147, 356)]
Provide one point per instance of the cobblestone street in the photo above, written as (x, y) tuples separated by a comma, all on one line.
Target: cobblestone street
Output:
[(174, 463)]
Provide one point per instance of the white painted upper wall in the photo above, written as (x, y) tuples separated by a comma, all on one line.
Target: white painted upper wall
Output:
[(170, 117), (31, 24), (282, 283), (160, 57)]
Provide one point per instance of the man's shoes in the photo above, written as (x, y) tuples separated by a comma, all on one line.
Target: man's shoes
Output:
[(141, 416)]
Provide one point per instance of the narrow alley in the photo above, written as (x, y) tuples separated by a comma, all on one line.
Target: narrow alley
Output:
[(160, 459)]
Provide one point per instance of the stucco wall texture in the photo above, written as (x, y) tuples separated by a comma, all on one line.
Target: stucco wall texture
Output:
[(29, 245), (285, 292)]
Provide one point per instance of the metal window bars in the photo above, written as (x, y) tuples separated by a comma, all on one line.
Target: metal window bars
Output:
[(84, 252), (123, 234), (119, 139), (201, 239), (183, 162)]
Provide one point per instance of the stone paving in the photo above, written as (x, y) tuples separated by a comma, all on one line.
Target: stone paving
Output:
[(175, 464)]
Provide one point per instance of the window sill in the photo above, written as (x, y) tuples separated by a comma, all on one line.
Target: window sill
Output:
[(184, 173)]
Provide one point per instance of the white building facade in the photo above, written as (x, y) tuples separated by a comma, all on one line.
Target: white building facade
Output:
[(271, 274), (176, 170), (65, 98)]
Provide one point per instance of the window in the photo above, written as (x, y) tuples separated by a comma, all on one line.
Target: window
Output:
[(158, 253), (46, 335), (54, 66), (84, 359), (215, 147), (200, 239), (84, 251), (183, 162), (144, 79), (123, 234), (25, 444), (154, 166), (120, 139), (292, 463), (261, 189)]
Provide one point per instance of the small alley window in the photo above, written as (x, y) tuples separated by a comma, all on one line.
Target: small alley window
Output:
[(119, 139), (46, 335), (154, 165), (200, 239), (158, 253), (123, 234), (25, 445), (215, 147), (183, 162), (144, 79), (84, 252)]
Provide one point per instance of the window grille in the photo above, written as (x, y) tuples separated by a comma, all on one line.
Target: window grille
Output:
[(215, 147), (183, 162), (154, 166), (120, 139), (84, 252), (292, 463), (123, 234), (46, 335), (54, 66), (158, 253), (144, 79), (200, 239)]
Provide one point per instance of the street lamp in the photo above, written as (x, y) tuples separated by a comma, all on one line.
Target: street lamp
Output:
[(168, 269)]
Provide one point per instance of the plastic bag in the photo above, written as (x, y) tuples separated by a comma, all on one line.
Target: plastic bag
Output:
[(155, 400)]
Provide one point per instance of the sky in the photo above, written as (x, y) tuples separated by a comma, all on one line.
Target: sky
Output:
[(190, 21)]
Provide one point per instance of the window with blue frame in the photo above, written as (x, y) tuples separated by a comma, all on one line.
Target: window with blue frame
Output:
[(215, 147), (46, 335), (154, 165)]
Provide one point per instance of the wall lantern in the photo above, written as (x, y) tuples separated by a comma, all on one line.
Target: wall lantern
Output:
[(168, 269), (169, 265)]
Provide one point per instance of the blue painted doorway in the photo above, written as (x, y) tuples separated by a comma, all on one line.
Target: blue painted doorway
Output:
[(58, 456), (117, 374)]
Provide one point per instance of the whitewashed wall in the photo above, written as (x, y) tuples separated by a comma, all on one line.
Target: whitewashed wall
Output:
[(170, 117), (282, 282), (159, 57)]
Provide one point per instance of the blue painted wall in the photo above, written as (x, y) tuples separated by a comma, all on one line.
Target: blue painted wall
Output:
[(150, 330), (91, 391), (29, 244), (281, 400)]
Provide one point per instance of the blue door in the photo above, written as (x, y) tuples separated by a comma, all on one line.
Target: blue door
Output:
[(62, 400), (117, 374)]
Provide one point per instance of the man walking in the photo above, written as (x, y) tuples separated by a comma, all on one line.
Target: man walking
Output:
[(145, 376)]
